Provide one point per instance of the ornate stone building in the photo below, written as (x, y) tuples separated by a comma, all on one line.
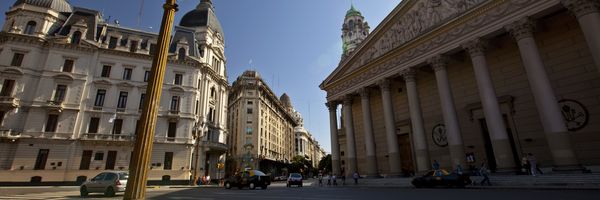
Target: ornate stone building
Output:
[(72, 92), (261, 126), (460, 81)]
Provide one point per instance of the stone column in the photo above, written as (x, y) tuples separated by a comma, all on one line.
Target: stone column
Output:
[(369, 140), (491, 109), (416, 120), (335, 144), (588, 15), (455, 143), (390, 129), (349, 130), (559, 141)]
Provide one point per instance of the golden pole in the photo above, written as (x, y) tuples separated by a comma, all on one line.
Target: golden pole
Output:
[(142, 151)]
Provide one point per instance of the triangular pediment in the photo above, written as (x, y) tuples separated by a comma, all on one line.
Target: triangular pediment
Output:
[(406, 23)]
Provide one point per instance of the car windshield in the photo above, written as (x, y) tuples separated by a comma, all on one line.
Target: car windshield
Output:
[(123, 176), (259, 173), (295, 175)]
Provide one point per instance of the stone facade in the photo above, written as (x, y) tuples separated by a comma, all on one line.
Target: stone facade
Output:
[(73, 87), (493, 79)]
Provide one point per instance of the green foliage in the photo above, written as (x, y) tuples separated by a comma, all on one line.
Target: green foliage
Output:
[(325, 163)]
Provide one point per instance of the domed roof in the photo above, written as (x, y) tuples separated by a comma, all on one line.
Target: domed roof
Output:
[(203, 16), (57, 5), (285, 100), (353, 12)]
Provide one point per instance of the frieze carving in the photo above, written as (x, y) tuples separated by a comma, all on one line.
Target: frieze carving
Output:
[(582, 7), (500, 11)]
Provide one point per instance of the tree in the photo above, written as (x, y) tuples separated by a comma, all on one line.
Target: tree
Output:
[(325, 163), (300, 165)]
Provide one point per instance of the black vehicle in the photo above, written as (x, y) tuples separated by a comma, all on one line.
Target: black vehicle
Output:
[(441, 177), (250, 178)]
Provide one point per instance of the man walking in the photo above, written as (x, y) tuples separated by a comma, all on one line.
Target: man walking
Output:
[(355, 176), (484, 172)]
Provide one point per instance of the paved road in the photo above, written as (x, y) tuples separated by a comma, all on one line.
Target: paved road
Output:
[(279, 191)]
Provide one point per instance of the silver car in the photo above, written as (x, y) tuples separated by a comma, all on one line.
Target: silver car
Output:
[(108, 183)]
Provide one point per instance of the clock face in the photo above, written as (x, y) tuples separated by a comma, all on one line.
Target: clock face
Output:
[(438, 134), (574, 113)]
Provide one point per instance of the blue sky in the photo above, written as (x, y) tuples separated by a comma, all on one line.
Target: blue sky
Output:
[(293, 44)]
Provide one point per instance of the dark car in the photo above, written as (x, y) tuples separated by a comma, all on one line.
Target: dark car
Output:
[(435, 178), (294, 179), (250, 178)]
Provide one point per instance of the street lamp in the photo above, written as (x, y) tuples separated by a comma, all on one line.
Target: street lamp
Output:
[(142, 151)]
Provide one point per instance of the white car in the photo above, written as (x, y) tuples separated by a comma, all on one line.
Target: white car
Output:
[(108, 183)]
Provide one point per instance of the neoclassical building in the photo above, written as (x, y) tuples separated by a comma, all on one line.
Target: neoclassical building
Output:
[(463, 81), (72, 87), (261, 126)]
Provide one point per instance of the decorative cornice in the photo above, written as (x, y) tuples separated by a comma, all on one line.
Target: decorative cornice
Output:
[(582, 7), (476, 47), (522, 28), (438, 62), (409, 75)]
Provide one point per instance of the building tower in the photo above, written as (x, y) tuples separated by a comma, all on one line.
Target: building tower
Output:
[(354, 30)]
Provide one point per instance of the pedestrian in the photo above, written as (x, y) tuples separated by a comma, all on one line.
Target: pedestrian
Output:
[(483, 171), (435, 165), (208, 180), (329, 179), (343, 179), (525, 167), (320, 179), (459, 169), (355, 176), (334, 180), (533, 164)]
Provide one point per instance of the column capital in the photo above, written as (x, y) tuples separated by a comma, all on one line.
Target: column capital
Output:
[(475, 47), (384, 84), (409, 75), (581, 7), (348, 100), (522, 28), (363, 92), (438, 62), (332, 105)]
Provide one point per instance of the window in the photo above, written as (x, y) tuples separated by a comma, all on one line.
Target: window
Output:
[(172, 130), (51, 123), (105, 71), (210, 114), (94, 123), (111, 159), (68, 65), (127, 73), (112, 43), (42, 157), (122, 102), (168, 161), (86, 158), (59, 94), (117, 126), (99, 156), (17, 59), (124, 42), (76, 37), (249, 130), (178, 79), (133, 47), (7, 88), (30, 27), (152, 49), (2, 114), (250, 102), (249, 111), (181, 54), (212, 92), (175, 103), (197, 104), (137, 126), (146, 76), (100, 98), (142, 97)]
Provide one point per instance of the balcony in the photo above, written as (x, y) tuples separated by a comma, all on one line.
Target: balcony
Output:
[(54, 105), (107, 137), (121, 110), (173, 140), (173, 114), (215, 146), (9, 133), (8, 102)]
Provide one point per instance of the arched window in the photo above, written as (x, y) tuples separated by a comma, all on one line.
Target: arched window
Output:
[(212, 92), (30, 27), (76, 37), (181, 54), (351, 25)]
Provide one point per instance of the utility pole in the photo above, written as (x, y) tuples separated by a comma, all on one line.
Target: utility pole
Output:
[(142, 151)]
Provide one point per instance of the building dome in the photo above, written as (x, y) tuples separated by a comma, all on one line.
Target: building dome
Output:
[(57, 5), (203, 16), (353, 12), (285, 100)]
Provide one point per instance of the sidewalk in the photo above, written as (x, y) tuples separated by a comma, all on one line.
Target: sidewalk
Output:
[(549, 181)]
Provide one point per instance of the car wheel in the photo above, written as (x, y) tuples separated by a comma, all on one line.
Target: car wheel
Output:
[(83, 191), (227, 185), (110, 192), (252, 186)]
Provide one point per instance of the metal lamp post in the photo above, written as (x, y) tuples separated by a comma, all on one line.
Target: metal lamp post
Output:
[(142, 151)]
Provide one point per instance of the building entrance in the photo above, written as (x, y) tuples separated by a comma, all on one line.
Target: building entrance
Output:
[(487, 141), (406, 158)]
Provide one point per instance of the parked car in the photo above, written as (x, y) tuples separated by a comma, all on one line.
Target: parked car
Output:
[(441, 178), (294, 179), (108, 183), (280, 178), (249, 178)]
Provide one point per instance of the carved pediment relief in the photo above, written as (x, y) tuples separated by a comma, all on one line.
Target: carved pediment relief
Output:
[(125, 85), (413, 19), (177, 89), (102, 82), (64, 77), (12, 71)]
